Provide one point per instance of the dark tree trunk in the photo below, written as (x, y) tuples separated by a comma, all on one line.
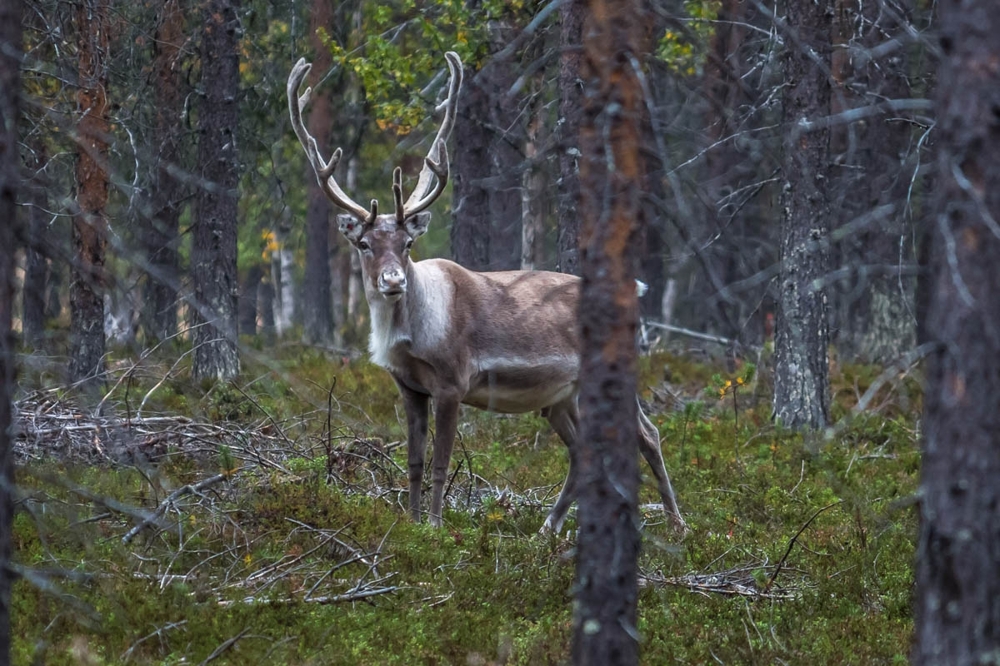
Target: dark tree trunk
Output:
[(318, 314), (568, 128), (249, 296), (163, 230), (610, 206), (801, 392), (486, 226), (872, 306), (36, 269), (10, 91), (89, 225), (653, 268), (213, 255), (958, 558)]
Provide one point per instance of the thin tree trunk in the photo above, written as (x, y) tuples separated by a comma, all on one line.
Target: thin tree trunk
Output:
[(872, 310), (282, 264), (611, 133), (957, 604), (249, 296), (89, 225), (162, 234), (10, 90), (486, 221), (36, 267), (532, 217), (570, 98), (213, 255), (801, 391), (317, 318)]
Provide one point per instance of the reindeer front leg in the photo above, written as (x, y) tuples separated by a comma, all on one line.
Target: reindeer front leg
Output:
[(415, 405), (445, 424)]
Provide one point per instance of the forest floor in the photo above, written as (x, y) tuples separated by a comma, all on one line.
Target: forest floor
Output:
[(263, 522)]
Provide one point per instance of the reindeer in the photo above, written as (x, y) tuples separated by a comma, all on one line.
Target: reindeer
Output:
[(503, 341)]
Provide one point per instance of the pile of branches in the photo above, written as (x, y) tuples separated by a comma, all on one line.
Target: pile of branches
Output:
[(47, 426), (754, 580)]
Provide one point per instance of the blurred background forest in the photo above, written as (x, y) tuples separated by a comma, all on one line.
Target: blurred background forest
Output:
[(714, 82)]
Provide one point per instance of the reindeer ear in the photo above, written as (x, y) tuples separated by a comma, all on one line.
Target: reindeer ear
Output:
[(416, 225), (351, 227)]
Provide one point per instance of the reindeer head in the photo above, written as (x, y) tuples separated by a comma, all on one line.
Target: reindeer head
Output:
[(383, 241)]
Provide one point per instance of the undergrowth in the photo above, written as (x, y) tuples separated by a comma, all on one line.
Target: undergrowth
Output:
[(823, 525)]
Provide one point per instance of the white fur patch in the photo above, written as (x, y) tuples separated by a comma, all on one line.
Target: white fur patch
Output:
[(384, 336), (421, 316), (430, 310)]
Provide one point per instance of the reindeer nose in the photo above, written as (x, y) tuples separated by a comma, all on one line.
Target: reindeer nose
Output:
[(392, 282)]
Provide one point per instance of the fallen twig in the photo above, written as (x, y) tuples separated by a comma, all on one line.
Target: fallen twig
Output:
[(228, 643), (791, 543), (180, 492)]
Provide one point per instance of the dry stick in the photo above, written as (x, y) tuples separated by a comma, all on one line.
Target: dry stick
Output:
[(158, 633), (700, 336), (265, 412), (906, 361), (228, 643), (350, 596), (180, 492), (781, 562)]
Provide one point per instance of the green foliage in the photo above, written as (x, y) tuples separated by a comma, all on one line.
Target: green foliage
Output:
[(404, 45), (485, 588), (684, 51)]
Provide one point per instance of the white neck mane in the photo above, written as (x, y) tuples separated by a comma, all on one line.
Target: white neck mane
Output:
[(427, 301)]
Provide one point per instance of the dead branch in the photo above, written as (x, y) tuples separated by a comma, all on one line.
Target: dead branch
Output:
[(228, 643), (791, 543), (180, 492)]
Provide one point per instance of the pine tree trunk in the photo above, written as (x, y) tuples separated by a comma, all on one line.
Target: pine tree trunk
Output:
[(36, 267), (317, 319), (872, 305), (86, 364), (801, 391), (162, 234), (248, 300), (11, 46), (213, 255), (568, 129), (611, 132), (957, 602), (486, 218)]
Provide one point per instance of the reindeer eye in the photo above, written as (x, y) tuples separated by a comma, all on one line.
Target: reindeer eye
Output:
[(409, 244), (363, 245)]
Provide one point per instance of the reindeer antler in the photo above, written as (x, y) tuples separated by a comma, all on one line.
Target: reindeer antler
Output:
[(324, 170), (436, 162)]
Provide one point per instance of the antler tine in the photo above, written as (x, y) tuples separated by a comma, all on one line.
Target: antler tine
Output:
[(397, 193), (423, 195), (324, 170)]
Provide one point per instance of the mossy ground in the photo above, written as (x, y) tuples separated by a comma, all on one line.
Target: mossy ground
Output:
[(485, 589)]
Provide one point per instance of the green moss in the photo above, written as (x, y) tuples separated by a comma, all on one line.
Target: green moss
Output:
[(485, 588)]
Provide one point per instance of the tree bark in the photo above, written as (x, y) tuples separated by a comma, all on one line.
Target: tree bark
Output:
[(742, 229), (568, 129), (249, 296), (872, 308), (213, 255), (611, 181), (317, 318), (11, 45), (486, 218), (86, 364), (801, 391), (162, 235), (957, 603), (36, 269)]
